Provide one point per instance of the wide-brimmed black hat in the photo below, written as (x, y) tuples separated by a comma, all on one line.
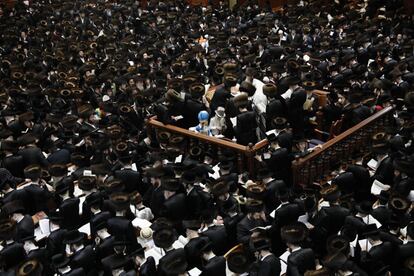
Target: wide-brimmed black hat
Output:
[(337, 243), (7, 229), (330, 192), (369, 230), (238, 260), (73, 236), (260, 244), (247, 87), (30, 267), (404, 164), (399, 204), (55, 216), (219, 188), (269, 89), (15, 206), (60, 261), (294, 233), (365, 207), (335, 260), (254, 205), (164, 237), (119, 200), (33, 171), (87, 183), (170, 184), (174, 262), (58, 170)]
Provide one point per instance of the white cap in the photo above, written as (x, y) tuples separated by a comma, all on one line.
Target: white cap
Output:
[(306, 58), (105, 98), (266, 79)]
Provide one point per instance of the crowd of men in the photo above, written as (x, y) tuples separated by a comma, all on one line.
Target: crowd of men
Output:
[(87, 189)]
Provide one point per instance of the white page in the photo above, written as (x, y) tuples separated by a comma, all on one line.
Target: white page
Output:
[(372, 164), (234, 121), (194, 272), (283, 262), (44, 226), (377, 187), (141, 223), (86, 229)]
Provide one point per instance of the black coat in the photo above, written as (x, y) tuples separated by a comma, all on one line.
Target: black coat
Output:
[(300, 261), (244, 227), (54, 244), (84, 258), (269, 266), (218, 237), (25, 228), (220, 97), (33, 155), (216, 266), (245, 131), (69, 210)]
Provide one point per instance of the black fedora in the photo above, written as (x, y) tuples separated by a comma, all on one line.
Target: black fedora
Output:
[(238, 260), (174, 262), (73, 236), (294, 233), (30, 267)]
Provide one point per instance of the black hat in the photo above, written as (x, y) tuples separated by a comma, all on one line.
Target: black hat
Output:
[(64, 185), (270, 89), (338, 244), (58, 170), (238, 260), (174, 262), (55, 216), (86, 183), (241, 100), (255, 190), (260, 244), (15, 206), (191, 224), (247, 87), (230, 80), (294, 233), (30, 267), (73, 236), (169, 184), (365, 207), (309, 85), (220, 187), (226, 164), (164, 237), (7, 229), (292, 80), (330, 192), (197, 90), (279, 122), (188, 177), (370, 230), (60, 260), (398, 204), (263, 173), (254, 206), (120, 201), (112, 185), (33, 171), (335, 260)]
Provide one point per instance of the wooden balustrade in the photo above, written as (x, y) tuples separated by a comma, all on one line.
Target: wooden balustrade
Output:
[(313, 167), (317, 165)]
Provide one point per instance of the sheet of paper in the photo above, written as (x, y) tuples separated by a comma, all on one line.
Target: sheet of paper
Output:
[(179, 158), (141, 223), (372, 164), (194, 272), (303, 218), (39, 235), (283, 262), (155, 253), (234, 121), (365, 245), (86, 229), (411, 196), (216, 173), (377, 187), (44, 226)]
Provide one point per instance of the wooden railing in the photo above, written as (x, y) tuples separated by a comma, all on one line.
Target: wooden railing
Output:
[(244, 154), (316, 166), (305, 171)]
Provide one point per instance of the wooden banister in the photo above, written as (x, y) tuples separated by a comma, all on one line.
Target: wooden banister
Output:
[(195, 135), (305, 170)]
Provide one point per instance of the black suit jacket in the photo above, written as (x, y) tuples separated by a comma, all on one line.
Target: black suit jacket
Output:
[(55, 243), (300, 261), (269, 266), (33, 155), (25, 228), (216, 266), (85, 258), (69, 210), (218, 238)]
